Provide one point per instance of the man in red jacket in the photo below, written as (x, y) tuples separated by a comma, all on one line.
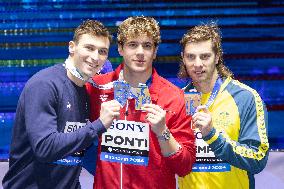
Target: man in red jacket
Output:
[(150, 142)]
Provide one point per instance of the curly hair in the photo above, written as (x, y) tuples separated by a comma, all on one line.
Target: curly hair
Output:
[(137, 25), (201, 33), (92, 27)]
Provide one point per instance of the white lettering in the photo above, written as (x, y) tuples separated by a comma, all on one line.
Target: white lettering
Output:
[(73, 126)]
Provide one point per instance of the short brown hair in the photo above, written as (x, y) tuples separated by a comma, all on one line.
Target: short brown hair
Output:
[(138, 25), (205, 32), (92, 27)]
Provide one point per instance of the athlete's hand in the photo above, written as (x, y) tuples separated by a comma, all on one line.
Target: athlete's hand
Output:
[(156, 116), (202, 120), (109, 111)]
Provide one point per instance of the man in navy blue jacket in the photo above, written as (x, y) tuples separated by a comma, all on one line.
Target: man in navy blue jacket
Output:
[(51, 129)]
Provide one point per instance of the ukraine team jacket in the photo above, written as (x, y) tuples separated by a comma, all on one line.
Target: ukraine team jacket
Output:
[(237, 147)]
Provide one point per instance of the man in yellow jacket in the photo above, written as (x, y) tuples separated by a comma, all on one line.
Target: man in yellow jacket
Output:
[(231, 121)]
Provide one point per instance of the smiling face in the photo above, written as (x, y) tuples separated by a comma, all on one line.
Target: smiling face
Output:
[(200, 62), (89, 54), (138, 54)]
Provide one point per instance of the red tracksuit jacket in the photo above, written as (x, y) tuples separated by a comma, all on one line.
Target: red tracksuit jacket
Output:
[(160, 171)]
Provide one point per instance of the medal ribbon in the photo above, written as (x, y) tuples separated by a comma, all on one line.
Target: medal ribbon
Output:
[(73, 70), (214, 92)]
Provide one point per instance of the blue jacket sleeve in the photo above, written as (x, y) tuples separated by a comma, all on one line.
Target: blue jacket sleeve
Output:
[(250, 152), (41, 124)]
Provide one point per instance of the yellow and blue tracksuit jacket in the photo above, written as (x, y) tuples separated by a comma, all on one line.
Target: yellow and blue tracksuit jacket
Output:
[(238, 141)]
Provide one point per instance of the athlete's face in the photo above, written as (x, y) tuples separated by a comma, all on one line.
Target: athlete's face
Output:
[(200, 61), (138, 54), (89, 53)]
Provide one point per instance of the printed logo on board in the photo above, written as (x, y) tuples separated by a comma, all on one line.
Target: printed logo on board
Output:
[(73, 126), (126, 142)]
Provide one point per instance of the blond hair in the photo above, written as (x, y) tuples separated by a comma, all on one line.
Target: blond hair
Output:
[(138, 25)]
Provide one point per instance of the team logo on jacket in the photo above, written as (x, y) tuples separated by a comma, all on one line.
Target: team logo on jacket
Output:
[(223, 121), (68, 106), (103, 97)]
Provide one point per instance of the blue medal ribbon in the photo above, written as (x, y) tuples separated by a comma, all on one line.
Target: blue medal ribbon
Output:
[(214, 92)]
